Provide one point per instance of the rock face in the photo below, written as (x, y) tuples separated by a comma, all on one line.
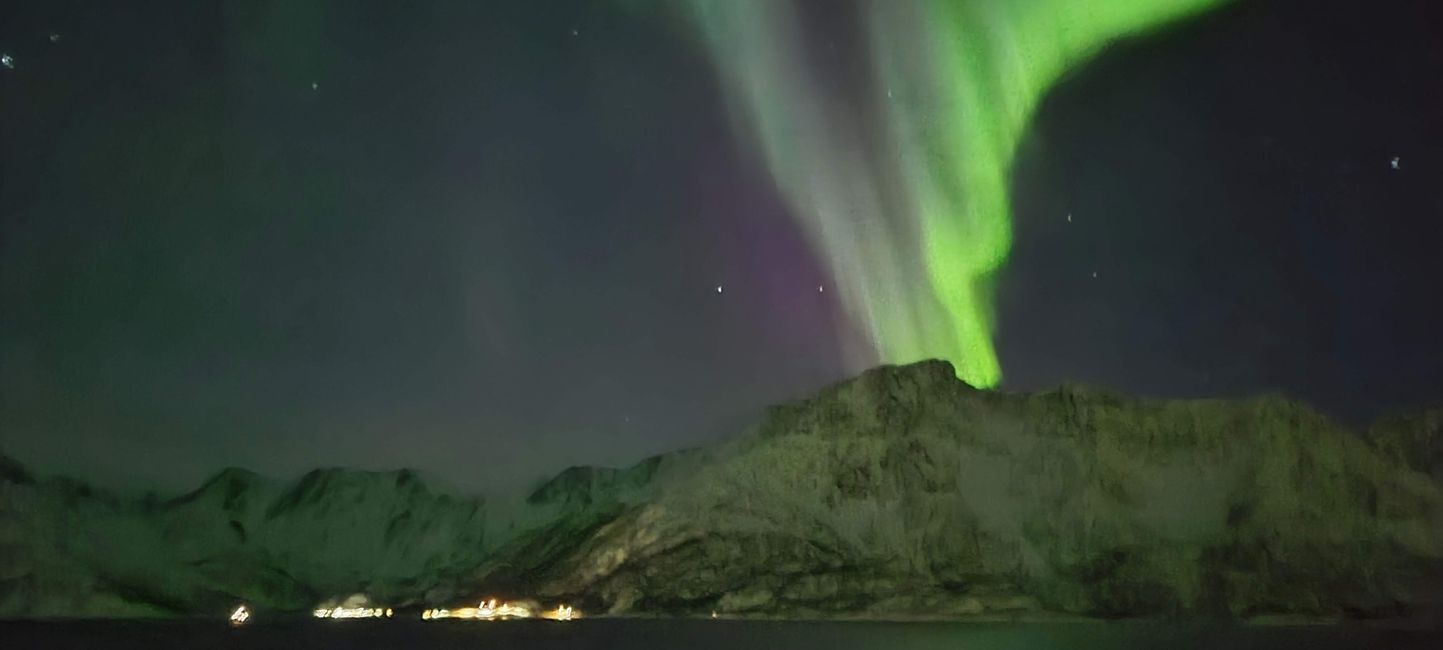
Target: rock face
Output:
[(901, 492), (69, 550), (1414, 441), (905, 491)]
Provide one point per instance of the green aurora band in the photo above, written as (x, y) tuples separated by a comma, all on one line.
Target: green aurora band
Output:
[(904, 193)]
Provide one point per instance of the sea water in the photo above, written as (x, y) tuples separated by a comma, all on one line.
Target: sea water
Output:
[(632, 634)]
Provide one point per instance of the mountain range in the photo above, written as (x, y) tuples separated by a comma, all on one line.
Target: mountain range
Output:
[(900, 493)]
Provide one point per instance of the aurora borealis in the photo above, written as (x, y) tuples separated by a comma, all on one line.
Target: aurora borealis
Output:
[(907, 201)]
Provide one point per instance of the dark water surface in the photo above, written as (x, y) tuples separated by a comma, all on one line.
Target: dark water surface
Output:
[(699, 635)]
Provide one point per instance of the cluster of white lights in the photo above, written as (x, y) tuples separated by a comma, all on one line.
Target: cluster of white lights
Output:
[(352, 612), (489, 610), (486, 611)]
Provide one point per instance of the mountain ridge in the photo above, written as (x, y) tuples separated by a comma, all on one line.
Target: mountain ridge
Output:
[(900, 492)]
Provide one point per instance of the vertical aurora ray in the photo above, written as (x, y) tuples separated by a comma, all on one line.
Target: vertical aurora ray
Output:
[(903, 192)]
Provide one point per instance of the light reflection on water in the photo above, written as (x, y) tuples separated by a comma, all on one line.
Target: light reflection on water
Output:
[(703, 635)]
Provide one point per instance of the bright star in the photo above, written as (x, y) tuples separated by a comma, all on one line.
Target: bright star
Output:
[(7, 61), (1395, 162), (819, 288), (718, 288)]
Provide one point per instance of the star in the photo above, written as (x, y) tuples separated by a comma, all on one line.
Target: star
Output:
[(1094, 275), (819, 288), (1395, 162), (718, 288), (315, 85), (1069, 217), (54, 37), (575, 32), (7, 61)]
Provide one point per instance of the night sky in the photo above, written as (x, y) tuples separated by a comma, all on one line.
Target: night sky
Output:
[(486, 239)]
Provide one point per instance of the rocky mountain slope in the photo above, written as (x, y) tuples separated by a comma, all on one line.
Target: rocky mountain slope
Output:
[(902, 492), (905, 491), (70, 550)]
